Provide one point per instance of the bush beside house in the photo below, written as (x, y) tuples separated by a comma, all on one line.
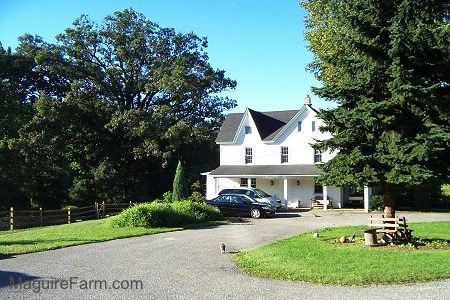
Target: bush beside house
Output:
[(158, 214)]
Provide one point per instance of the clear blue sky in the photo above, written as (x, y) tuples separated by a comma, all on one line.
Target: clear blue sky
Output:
[(259, 43)]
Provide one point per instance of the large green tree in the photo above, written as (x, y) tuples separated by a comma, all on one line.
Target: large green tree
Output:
[(133, 64), (387, 66), (15, 111), (123, 97), (21, 83)]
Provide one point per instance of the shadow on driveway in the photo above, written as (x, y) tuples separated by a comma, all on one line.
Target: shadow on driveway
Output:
[(283, 214), (14, 279)]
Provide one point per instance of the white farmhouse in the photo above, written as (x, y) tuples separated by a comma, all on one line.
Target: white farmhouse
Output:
[(272, 151)]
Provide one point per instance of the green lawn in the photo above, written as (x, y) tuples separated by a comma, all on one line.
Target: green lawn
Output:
[(59, 236), (324, 261)]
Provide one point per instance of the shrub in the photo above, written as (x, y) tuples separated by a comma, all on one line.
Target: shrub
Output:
[(196, 197), (167, 196), (157, 214), (190, 212), (376, 202)]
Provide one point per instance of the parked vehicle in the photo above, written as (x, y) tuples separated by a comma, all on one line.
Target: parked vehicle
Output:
[(256, 194), (240, 206)]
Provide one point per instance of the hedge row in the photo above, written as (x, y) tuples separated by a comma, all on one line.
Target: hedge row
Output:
[(158, 214)]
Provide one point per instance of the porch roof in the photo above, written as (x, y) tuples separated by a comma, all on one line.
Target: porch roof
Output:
[(265, 170)]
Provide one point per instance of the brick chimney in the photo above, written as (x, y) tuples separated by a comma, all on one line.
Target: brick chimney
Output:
[(307, 100)]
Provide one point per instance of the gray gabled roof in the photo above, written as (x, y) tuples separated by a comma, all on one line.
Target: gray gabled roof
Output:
[(265, 170), (229, 128), (268, 124)]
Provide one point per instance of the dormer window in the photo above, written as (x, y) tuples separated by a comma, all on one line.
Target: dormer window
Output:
[(248, 130)]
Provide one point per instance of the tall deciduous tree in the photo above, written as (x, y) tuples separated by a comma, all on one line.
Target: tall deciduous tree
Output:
[(132, 63), (387, 66), (125, 96), (15, 111)]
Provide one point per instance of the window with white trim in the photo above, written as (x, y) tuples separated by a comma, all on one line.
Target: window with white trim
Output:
[(299, 126), (248, 155), (317, 156), (284, 154), (248, 130), (244, 182), (318, 188), (313, 126)]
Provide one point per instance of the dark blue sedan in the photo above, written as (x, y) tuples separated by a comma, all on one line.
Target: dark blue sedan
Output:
[(240, 206)]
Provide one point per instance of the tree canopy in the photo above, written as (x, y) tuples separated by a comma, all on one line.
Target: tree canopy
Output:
[(387, 66), (106, 107)]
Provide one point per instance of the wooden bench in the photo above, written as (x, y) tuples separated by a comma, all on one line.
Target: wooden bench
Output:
[(395, 228), (317, 202)]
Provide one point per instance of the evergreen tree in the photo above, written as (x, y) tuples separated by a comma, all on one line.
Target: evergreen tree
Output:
[(180, 186), (387, 66)]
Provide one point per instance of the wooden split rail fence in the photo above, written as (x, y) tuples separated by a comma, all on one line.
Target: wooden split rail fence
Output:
[(19, 219)]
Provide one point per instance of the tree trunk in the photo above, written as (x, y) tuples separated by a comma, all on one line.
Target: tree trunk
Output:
[(422, 194), (389, 200)]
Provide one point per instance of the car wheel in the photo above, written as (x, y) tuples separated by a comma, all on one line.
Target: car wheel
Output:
[(255, 213)]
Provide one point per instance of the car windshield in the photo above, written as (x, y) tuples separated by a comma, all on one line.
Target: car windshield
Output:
[(250, 200), (261, 193)]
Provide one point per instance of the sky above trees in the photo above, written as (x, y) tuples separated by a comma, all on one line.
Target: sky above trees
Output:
[(260, 44)]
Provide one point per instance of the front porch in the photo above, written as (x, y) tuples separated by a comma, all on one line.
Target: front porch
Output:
[(294, 185)]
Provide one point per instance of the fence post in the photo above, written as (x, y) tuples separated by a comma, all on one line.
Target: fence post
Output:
[(40, 215), (96, 209), (11, 219), (103, 205), (68, 215)]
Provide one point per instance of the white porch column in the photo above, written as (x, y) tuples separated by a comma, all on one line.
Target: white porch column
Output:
[(325, 197), (249, 182), (366, 199), (285, 192), (216, 188)]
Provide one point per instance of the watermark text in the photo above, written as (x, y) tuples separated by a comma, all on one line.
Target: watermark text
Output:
[(37, 285)]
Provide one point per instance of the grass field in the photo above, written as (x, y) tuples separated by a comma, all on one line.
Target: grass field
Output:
[(59, 236), (325, 261)]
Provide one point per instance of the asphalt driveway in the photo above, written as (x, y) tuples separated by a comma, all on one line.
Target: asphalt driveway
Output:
[(188, 265)]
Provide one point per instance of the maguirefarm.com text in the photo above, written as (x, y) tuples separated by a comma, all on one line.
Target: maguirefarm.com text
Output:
[(37, 285)]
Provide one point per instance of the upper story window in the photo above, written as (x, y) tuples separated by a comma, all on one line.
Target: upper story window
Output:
[(244, 182), (284, 154), (313, 126), (248, 155), (299, 126), (317, 156), (248, 130)]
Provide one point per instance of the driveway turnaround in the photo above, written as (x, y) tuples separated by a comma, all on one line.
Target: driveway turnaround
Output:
[(189, 265)]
